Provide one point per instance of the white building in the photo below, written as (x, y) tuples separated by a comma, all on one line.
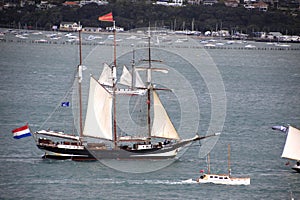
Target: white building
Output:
[(98, 2), (167, 3), (69, 26)]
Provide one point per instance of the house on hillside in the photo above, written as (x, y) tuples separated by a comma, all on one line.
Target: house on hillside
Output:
[(209, 2), (232, 3), (69, 26), (167, 3), (71, 4), (194, 2), (98, 2), (44, 5), (261, 6)]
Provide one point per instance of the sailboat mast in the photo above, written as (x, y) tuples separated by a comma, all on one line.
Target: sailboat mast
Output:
[(79, 84), (114, 88), (229, 170), (208, 163), (133, 70), (149, 87)]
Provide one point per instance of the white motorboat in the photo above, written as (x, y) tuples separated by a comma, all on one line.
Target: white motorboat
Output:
[(225, 179)]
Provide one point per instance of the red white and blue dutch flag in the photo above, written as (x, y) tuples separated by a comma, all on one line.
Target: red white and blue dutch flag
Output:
[(21, 132)]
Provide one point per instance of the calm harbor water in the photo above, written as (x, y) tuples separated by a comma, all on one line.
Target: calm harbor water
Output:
[(262, 90)]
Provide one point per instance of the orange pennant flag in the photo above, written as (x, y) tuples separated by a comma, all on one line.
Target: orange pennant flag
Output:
[(107, 18)]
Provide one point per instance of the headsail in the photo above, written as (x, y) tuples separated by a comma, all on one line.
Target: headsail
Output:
[(106, 76), (162, 125), (291, 148), (98, 122), (126, 78)]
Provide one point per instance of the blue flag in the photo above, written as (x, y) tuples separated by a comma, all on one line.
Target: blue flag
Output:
[(65, 104)]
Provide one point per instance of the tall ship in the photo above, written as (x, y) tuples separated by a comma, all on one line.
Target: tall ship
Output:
[(99, 136), (160, 140)]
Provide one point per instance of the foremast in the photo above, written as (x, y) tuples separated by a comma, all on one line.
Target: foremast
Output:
[(79, 86), (114, 87)]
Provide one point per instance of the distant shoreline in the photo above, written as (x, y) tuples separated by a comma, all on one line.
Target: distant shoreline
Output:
[(201, 37), (205, 42)]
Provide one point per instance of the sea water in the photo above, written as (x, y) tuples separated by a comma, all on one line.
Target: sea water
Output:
[(262, 90)]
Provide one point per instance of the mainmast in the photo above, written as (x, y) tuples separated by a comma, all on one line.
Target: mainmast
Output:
[(114, 87), (109, 18), (149, 87)]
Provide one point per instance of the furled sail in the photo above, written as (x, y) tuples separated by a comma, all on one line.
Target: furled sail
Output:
[(106, 76), (98, 122), (291, 148), (126, 78), (162, 126), (75, 105)]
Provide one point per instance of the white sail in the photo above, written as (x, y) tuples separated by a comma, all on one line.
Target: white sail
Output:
[(126, 78), (98, 122), (291, 148), (162, 125), (106, 76), (138, 81)]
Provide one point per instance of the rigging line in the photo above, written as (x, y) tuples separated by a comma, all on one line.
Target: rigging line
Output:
[(195, 145), (136, 109), (90, 53), (57, 106)]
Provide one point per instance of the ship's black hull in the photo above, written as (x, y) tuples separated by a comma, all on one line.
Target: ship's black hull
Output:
[(168, 151), (58, 153)]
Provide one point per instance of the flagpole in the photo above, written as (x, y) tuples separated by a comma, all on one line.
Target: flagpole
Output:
[(115, 51)]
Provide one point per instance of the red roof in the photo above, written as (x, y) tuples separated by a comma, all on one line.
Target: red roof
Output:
[(71, 3)]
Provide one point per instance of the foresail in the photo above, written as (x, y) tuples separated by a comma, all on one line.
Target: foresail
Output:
[(106, 76), (98, 122), (138, 81), (291, 148), (126, 77), (162, 125)]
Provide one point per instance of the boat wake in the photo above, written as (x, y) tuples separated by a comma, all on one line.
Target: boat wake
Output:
[(19, 159), (143, 182), (169, 182)]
